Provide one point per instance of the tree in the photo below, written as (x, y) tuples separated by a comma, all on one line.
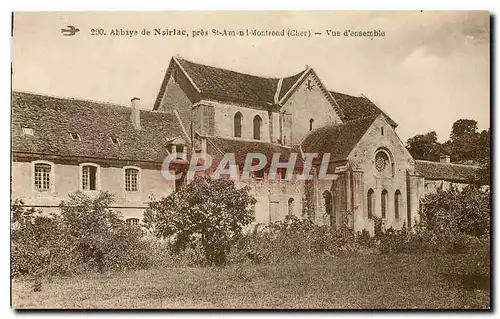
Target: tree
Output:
[(424, 146), (463, 140), (206, 212), (482, 154)]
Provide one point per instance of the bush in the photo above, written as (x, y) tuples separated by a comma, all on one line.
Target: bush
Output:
[(451, 221), (422, 240), (206, 215), (98, 237), (87, 235), (465, 212), (38, 246), (293, 238)]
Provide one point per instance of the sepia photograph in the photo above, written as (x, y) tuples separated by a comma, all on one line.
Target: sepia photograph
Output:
[(250, 160)]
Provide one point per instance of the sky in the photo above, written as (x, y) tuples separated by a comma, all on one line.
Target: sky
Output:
[(429, 70)]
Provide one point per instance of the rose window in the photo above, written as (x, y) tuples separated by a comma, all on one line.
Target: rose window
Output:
[(381, 161)]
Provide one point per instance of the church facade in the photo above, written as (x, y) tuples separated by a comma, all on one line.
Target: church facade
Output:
[(61, 145)]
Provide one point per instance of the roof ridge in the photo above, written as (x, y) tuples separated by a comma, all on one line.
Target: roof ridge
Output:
[(70, 98), (455, 164), (234, 71), (106, 103), (336, 92)]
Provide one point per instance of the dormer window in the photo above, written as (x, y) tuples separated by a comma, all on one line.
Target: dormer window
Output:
[(115, 140), (75, 136), (27, 131), (259, 174), (180, 151)]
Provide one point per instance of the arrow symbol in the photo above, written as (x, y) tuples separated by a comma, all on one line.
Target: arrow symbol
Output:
[(70, 31)]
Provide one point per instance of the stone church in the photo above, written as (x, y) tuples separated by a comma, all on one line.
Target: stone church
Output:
[(61, 145)]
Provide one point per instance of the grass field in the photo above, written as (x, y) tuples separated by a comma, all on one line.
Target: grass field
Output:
[(425, 281)]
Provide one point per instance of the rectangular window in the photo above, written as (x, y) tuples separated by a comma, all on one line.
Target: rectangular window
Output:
[(131, 178), (133, 221), (89, 177), (42, 176)]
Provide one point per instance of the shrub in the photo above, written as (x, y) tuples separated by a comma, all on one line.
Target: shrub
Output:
[(465, 212), (96, 235), (38, 246), (205, 214), (451, 221), (422, 240), (293, 238)]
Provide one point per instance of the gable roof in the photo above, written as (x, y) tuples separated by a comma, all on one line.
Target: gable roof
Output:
[(338, 139), (446, 171), (53, 119), (224, 85), (289, 82), (355, 107)]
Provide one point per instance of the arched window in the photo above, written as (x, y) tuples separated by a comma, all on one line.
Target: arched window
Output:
[(238, 117), (397, 203), (257, 122), (384, 203), (311, 121), (327, 196), (371, 203), (291, 204)]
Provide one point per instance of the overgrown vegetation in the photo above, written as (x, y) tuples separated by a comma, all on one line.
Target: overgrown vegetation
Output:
[(203, 224), (451, 221), (86, 236)]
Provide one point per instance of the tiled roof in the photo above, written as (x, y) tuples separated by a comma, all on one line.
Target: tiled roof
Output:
[(355, 107), (53, 119), (446, 171), (226, 85), (289, 82), (338, 140), (219, 146)]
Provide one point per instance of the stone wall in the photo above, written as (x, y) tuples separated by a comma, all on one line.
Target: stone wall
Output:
[(67, 180), (303, 105), (273, 198), (175, 98), (362, 159)]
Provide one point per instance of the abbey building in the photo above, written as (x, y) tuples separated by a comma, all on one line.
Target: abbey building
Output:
[(60, 145)]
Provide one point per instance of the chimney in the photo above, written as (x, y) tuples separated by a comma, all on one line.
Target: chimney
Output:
[(136, 113), (444, 159)]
